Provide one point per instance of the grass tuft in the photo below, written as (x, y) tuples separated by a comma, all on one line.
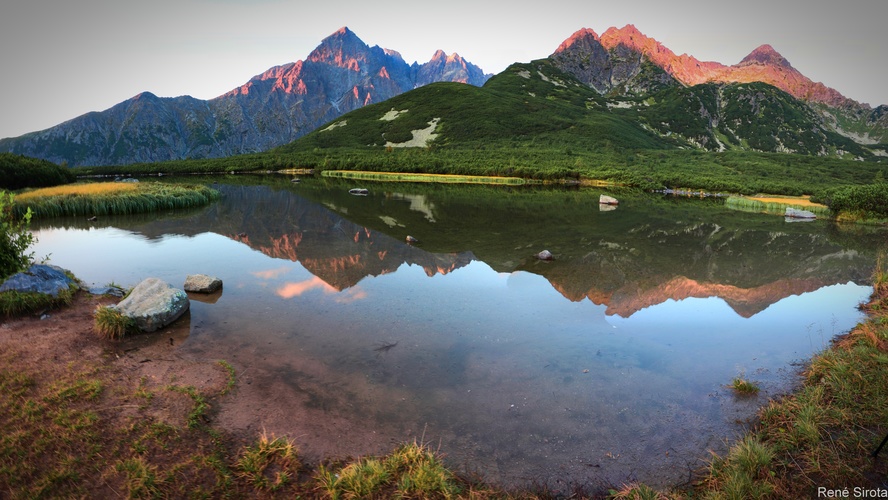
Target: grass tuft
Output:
[(232, 376), (410, 471), (13, 303), (269, 464), (744, 387), (111, 323)]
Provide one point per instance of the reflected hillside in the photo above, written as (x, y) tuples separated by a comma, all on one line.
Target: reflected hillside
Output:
[(284, 225), (649, 250)]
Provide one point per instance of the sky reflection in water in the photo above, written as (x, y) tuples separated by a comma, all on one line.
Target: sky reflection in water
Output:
[(498, 365)]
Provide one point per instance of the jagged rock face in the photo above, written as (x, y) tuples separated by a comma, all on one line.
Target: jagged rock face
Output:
[(452, 68), (764, 64), (619, 69), (272, 109), (583, 56)]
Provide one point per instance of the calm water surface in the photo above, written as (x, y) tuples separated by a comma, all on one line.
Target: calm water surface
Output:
[(606, 365)]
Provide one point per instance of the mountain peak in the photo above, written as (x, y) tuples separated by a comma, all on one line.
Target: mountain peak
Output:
[(765, 55), (342, 31), (582, 36), (343, 48)]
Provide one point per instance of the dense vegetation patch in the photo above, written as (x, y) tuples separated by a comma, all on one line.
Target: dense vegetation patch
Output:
[(18, 172), (859, 202), (15, 238), (112, 198)]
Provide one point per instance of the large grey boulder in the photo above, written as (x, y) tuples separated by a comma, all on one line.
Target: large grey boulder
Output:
[(201, 283), (39, 278), (154, 304)]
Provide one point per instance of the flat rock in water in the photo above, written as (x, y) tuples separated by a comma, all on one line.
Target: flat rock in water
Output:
[(201, 283), (39, 278), (154, 304)]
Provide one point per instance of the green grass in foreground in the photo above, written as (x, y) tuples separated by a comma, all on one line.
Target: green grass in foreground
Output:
[(14, 303), (823, 435), (116, 198)]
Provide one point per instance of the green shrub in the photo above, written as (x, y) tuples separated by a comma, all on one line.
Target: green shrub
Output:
[(15, 238), (870, 201)]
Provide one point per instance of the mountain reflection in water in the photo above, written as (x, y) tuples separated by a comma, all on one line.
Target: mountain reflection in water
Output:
[(615, 352)]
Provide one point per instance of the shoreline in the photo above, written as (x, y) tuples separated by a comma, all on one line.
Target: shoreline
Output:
[(159, 388)]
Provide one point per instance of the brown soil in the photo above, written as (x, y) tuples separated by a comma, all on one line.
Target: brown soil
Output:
[(62, 345), (63, 340)]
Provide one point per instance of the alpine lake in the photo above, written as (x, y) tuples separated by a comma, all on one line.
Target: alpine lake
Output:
[(611, 363)]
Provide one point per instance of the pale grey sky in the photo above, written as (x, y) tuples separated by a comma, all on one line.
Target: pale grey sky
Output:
[(64, 59)]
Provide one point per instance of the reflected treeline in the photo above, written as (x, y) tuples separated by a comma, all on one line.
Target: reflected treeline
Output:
[(648, 250), (284, 225)]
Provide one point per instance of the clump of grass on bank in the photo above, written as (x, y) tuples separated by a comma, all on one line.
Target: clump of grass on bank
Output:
[(269, 464), (112, 198), (411, 471), (14, 303), (415, 177), (775, 206), (111, 323)]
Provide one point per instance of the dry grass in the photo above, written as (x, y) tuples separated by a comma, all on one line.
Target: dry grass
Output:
[(91, 189), (795, 201), (117, 198)]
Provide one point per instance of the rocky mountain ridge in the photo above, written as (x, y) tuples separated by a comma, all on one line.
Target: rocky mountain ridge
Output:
[(764, 64), (273, 108), (624, 61), (343, 74)]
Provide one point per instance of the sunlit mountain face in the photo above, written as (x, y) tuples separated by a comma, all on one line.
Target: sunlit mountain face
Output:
[(619, 49), (271, 109)]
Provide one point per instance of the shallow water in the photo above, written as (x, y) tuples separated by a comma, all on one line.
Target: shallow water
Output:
[(605, 365)]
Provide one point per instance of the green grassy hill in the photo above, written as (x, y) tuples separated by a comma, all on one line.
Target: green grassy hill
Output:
[(538, 122)]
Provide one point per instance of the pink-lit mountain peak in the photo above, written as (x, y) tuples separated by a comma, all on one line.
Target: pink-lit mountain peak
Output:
[(343, 48), (764, 64), (441, 57), (583, 36), (765, 55)]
